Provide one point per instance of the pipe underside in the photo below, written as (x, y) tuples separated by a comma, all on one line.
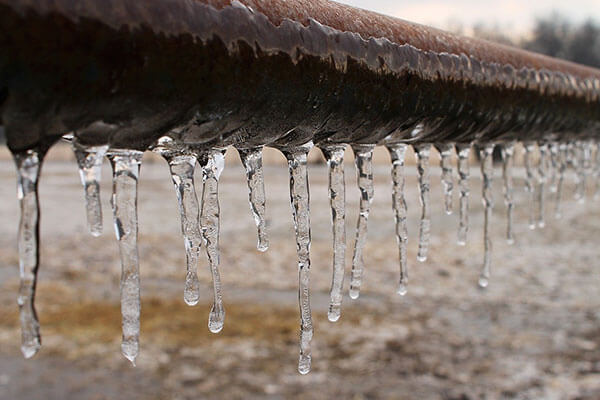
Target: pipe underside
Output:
[(246, 73)]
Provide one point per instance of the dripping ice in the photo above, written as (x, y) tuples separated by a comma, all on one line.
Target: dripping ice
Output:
[(252, 161), (422, 153), (487, 172)]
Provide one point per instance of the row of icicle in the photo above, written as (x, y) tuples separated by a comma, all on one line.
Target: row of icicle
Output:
[(200, 219)]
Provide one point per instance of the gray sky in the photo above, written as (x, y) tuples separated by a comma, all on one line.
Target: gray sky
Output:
[(513, 16)]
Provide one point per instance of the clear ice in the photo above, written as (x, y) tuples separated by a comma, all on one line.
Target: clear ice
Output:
[(507, 151), (530, 182), (299, 200), (126, 167), (422, 153), (29, 164), (89, 160), (542, 177), (563, 155), (463, 151), (397, 154), (213, 163), (487, 173), (182, 163), (445, 151), (363, 158), (334, 154), (252, 161)]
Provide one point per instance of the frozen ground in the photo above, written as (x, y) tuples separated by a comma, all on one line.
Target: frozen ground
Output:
[(533, 334)]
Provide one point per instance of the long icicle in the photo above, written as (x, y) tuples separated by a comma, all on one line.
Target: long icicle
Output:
[(422, 153), (213, 163), (487, 172), (542, 176), (252, 161), (29, 165), (463, 150), (182, 164), (530, 181), (445, 151), (363, 158), (586, 167), (126, 168), (89, 160), (397, 154), (507, 151), (300, 200), (596, 171), (563, 155), (334, 154), (554, 166)]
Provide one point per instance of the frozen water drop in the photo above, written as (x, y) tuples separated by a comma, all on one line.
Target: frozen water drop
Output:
[(334, 154), (182, 164), (29, 164), (507, 151), (487, 172), (422, 153), (89, 160), (397, 154), (483, 282), (363, 158), (213, 163), (445, 151), (530, 181), (300, 200), (252, 161), (463, 150), (126, 167)]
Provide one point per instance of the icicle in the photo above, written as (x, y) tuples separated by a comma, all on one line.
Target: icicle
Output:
[(575, 159), (422, 154), (530, 181), (507, 162), (463, 151), (363, 158), (562, 166), (300, 198), (554, 167), (586, 167), (542, 176), (597, 172), (181, 165), (397, 153), (334, 154), (29, 164), (252, 160), (213, 163), (126, 166), (487, 172), (445, 151), (89, 160)]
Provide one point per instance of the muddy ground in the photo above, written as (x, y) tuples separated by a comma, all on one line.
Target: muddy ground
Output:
[(533, 334)]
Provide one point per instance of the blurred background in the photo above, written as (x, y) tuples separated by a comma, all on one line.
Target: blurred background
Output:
[(533, 334)]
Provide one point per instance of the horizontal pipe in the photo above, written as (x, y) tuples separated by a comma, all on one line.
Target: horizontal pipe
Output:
[(274, 72)]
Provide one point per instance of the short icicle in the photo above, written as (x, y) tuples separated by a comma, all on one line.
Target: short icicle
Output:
[(563, 155), (445, 151), (29, 165), (300, 199), (487, 172), (213, 163), (507, 151), (89, 160), (363, 159), (182, 164), (463, 150), (397, 154), (422, 153), (334, 154), (252, 161), (126, 167), (554, 166), (542, 176), (530, 182)]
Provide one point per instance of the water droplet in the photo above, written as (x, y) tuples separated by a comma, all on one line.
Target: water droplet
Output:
[(463, 151), (126, 167), (445, 151), (29, 164), (397, 154), (363, 158), (300, 200), (507, 151), (334, 154), (487, 172), (422, 153), (89, 160), (252, 161)]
